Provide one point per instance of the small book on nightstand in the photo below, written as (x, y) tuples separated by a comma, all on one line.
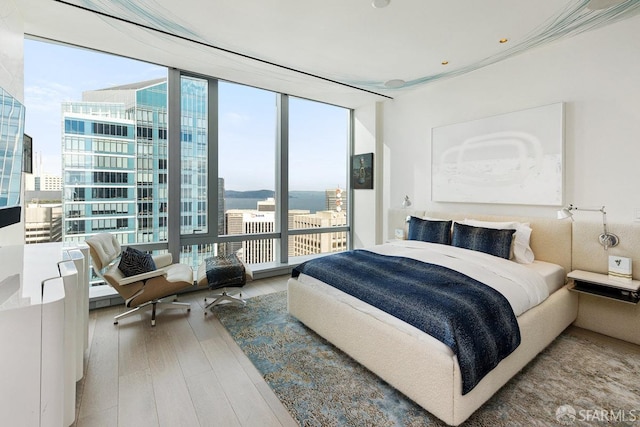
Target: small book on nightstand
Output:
[(620, 268)]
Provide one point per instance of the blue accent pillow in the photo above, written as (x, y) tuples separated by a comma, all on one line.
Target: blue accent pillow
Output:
[(133, 261), (429, 231), (488, 240)]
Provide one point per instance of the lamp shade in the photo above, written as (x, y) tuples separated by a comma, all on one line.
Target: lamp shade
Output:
[(564, 213), (378, 4)]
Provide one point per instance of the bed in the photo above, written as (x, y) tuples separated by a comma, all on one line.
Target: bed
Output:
[(418, 365)]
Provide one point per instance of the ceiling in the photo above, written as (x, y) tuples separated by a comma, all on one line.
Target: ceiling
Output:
[(344, 52)]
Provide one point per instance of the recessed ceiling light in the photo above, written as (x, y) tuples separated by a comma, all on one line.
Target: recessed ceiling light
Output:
[(379, 4), (395, 83), (602, 4), (445, 62), (503, 40)]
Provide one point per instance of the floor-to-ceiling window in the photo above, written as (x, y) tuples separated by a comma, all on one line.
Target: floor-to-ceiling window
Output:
[(247, 168), (318, 159), (98, 124), (281, 164), (257, 173), (99, 128)]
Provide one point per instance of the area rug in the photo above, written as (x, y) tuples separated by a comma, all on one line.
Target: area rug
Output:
[(573, 382)]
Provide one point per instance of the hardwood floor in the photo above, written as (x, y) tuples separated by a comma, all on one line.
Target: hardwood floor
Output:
[(185, 371)]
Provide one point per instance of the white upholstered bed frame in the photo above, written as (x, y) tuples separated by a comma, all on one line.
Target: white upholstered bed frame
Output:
[(415, 367)]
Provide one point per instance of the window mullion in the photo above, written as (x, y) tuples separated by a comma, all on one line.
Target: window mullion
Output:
[(282, 176), (174, 149), (214, 216)]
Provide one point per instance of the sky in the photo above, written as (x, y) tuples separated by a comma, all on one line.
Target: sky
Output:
[(55, 74), (318, 132)]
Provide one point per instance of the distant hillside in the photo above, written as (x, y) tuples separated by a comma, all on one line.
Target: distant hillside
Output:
[(255, 194)]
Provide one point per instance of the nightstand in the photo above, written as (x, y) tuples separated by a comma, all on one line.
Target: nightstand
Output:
[(606, 305), (604, 286)]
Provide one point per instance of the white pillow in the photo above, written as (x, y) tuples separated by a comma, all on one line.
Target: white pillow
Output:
[(521, 250), (430, 218)]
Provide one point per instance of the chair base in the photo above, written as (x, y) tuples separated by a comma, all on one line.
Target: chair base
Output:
[(224, 297), (173, 304)]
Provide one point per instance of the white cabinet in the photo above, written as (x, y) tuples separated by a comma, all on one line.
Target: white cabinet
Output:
[(41, 327)]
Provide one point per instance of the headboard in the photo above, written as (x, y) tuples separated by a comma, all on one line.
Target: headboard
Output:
[(550, 238)]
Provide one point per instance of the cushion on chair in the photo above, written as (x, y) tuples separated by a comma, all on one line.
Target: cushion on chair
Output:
[(162, 260), (104, 248), (133, 261)]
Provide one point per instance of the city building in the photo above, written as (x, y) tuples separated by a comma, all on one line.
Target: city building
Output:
[(249, 221), (43, 222), (268, 205), (134, 164), (307, 244), (42, 216), (11, 129), (48, 182), (262, 220), (116, 165), (336, 200), (99, 169)]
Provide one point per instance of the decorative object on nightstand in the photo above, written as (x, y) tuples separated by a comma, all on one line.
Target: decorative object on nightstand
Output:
[(606, 239), (603, 286), (620, 268), (399, 233)]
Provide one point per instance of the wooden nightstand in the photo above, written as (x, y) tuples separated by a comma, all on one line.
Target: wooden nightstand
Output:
[(604, 286), (607, 306)]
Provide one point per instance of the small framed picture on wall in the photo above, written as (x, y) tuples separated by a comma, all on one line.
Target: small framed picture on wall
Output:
[(362, 171)]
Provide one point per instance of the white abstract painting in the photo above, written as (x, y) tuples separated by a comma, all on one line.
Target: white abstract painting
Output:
[(513, 158)]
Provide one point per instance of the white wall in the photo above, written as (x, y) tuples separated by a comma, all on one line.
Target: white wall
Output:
[(367, 204), (596, 74), (12, 80), (11, 50)]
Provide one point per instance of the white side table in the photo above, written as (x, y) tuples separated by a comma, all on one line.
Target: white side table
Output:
[(604, 286), (607, 306)]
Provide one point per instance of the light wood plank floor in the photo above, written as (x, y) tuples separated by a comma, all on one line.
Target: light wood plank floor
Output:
[(185, 371)]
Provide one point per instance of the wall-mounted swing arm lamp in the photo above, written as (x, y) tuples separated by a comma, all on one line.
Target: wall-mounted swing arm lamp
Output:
[(405, 204), (606, 239)]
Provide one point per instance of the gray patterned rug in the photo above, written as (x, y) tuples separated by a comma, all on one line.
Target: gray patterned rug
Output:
[(573, 382)]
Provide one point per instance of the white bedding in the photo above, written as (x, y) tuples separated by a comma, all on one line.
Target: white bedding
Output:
[(522, 284), (553, 274)]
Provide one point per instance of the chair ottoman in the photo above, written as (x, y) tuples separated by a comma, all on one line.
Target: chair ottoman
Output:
[(224, 272)]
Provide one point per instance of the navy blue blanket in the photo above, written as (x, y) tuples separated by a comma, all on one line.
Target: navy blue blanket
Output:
[(471, 318)]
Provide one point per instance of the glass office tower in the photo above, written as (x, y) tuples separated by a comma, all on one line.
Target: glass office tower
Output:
[(98, 167), (11, 137), (115, 164)]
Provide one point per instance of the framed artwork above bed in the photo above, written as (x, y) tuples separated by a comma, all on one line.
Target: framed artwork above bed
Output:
[(513, 158)]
